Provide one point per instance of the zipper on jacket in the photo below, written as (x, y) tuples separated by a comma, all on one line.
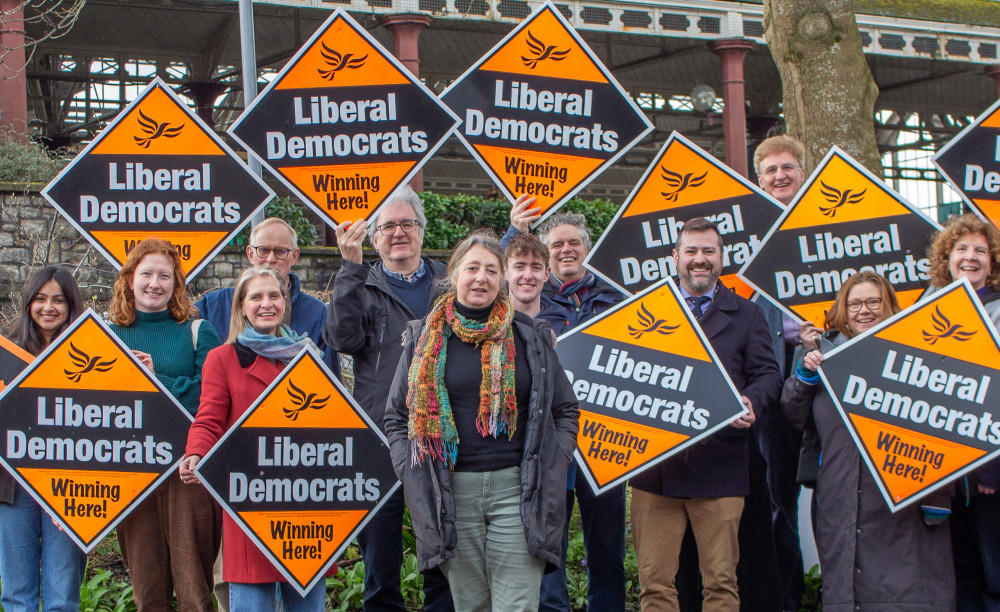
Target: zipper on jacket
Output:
[(381, 336)]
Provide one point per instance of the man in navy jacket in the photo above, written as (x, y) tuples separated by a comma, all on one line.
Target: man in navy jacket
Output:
[(704, 485)]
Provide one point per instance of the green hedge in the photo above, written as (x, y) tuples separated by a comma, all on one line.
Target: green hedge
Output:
[(449, 217)]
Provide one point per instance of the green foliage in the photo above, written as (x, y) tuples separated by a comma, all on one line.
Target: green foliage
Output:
[(102, 593), (451, 217), (346, 590), (293, 213), (812, 599), (25, 161)]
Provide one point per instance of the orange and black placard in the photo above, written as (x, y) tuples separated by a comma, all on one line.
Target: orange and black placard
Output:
[(13, 359), (682, 183), (542, 114), (971, 163), (302, 471), (844, 219), (344, 123), (158, 171), (648, 382), (917, 393), (88, 431)]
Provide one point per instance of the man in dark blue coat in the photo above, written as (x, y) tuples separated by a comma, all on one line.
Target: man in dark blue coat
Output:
[(704, 485)]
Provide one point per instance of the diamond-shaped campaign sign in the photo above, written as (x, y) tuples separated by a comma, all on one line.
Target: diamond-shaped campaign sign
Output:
[(542, 114), (344, 123), (158, 171), (915, 393), (88, 431), (302, 471), (971, 163), (13, 359), (844, 219), (683, 182), (648, 382)]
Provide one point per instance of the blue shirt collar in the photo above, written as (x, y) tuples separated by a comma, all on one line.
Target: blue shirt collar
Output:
[(407, 278)]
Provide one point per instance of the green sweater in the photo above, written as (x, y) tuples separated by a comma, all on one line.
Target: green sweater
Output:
[(175, 362)]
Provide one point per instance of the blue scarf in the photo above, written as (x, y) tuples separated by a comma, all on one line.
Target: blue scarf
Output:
[(283, 347), (573, 290)]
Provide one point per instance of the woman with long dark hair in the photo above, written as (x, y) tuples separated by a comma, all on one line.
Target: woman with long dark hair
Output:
[(171, 540), (482, 423), (38, 562)]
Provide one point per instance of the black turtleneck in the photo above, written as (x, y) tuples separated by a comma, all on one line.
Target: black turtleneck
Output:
[(463, 376)]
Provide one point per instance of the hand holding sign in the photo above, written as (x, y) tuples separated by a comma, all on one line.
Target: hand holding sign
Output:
[(521, 216), (350, 237)]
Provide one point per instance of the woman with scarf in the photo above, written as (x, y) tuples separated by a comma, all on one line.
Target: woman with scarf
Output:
[(259, 347), (482, 423), (970, 248), (171, 540), (873, 560)]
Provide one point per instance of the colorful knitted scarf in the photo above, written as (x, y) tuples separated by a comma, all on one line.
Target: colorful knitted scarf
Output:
[(573, 290), (431, 424)]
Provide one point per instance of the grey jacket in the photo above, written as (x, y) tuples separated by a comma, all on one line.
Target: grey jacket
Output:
[(366, 321), (550, 438), (872, 560)]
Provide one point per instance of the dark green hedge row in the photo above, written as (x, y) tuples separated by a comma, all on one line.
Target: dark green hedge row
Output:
[(449, 217)]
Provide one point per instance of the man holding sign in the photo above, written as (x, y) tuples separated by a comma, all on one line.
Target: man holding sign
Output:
[(705, 485)]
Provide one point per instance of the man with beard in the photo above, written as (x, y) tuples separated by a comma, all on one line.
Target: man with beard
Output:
[(704, 486)]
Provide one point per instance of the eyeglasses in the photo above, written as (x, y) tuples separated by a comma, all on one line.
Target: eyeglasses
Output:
[(264, 252), (786, 168), (389, 228), (872, 304)]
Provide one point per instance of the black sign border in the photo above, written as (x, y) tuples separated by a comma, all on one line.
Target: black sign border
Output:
[(55, 344)]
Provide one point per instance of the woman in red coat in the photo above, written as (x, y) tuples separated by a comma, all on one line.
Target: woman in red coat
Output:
[(234, 376)]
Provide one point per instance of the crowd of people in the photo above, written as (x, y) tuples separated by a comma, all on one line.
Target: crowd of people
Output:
[(458, 365)]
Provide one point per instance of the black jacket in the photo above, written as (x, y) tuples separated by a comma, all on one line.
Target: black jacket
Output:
[(366, 321), (550, 438), (717, 466)]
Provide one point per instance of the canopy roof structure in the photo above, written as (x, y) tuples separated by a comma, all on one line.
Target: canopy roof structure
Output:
[(930, 69)]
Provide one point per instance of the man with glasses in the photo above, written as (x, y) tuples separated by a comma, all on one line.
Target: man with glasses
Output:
[(273, 244), (369, 309)]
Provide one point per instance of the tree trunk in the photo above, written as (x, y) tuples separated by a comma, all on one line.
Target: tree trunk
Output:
[(828, 91)]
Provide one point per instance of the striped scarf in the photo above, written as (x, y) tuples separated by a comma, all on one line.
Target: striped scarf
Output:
[(431, 425)]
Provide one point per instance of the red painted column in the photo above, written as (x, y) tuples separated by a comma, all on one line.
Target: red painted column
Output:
[(734, 115), (405, 30), (994, 73), (13, 81)]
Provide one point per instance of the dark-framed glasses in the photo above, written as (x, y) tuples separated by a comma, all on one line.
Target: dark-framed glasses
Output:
[(872, 304), (389, 228), (264, 252)]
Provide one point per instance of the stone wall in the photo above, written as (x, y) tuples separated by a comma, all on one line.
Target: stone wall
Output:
[(34, 234)]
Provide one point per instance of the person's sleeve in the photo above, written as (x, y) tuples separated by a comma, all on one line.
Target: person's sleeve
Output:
[(396, 413), (213, 410), (796, 402), (187, 389), (345, 322), (511, 233), (565, 406), (762, 374)]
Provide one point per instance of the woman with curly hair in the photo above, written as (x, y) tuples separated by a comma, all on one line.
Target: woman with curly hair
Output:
[(970, 248), (171, 540)]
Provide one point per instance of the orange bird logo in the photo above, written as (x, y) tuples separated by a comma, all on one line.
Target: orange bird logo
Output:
[(540, 52), (680, 182), (337, 62), (302, 401), (154, 130), (650, 324), (945, 329), (838, 198), (86, 363)]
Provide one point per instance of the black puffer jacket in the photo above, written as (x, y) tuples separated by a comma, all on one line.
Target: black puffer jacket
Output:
[(550, 438), (366, 321)]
